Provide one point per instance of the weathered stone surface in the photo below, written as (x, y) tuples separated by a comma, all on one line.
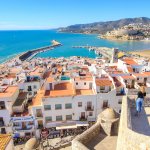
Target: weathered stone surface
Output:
[(81, 141), (127, 138)]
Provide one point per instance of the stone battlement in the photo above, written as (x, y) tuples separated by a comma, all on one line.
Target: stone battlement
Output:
[(127, 138)]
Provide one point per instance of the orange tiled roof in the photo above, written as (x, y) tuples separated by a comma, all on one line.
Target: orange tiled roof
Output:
[(84, 92), (50, 79), (38, 98), (147, 73), (140, 75), (9, 91), (61, 89), (4, 140), (127, 77), (130, 69), (103, 82), (83, 78), (130, 61)]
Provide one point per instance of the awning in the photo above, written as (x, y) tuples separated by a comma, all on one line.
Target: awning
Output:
[(82, 124), (66, 127)]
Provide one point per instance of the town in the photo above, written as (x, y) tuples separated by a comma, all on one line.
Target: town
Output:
[(51, 98), (135, 31)]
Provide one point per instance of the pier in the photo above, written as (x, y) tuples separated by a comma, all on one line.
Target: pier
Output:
[(32, 53), (103, 51)]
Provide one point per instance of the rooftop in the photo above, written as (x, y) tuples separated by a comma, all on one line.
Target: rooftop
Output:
[(127, 77), (84, 78), (21, 98), (36, 101), (140, 75), (84, 92), (130, 61), (8, 91), (61, 89), (4, 140), (103, 82), (147, 73)]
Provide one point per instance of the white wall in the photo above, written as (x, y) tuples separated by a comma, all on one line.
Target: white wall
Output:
[(10, 145)]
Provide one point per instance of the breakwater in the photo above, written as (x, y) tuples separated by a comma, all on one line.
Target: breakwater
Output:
[(31, 53)]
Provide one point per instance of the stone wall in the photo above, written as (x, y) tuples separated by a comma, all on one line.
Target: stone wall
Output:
[(80, 141), (127, 138)]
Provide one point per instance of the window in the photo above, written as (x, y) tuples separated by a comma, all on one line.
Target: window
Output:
[(39, 113), (48, 119), (30, 123), (2, 105), (68, 106), (84, 83), (76, 83), (1, 122), (58, 106), (125, 81), (105, 104), (35, 93), (120, 101), (58, 118), (34, 86), (102, 88), (90, 113), (137, 78), (3, 131), (30, 93), (29, 88), (68, 117), (79, 104), (16, 124), (47, 107)]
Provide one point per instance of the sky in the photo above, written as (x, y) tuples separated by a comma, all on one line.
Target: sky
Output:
[(47, 14)]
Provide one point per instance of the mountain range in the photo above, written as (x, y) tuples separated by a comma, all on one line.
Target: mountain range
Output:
[(103, 27)]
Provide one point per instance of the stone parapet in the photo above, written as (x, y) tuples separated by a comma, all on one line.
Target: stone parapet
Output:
[(127, 138)]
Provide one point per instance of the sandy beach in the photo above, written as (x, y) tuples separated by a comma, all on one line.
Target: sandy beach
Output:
[(144, 53)]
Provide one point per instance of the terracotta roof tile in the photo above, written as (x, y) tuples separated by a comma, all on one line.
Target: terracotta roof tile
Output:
[(4, 140), (103, 82)]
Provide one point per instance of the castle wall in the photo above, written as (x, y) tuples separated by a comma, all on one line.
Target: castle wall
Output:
[(127, 138)]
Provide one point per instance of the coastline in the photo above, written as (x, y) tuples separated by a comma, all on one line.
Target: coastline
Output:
[(142, 53), (123, 40)]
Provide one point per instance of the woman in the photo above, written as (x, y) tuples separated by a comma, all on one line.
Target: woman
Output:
[(140, 100)]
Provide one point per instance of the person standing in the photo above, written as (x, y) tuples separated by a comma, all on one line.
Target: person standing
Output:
[(139, 100)]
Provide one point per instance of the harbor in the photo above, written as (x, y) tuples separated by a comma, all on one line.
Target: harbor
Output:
[(101, 51), (32, 53)]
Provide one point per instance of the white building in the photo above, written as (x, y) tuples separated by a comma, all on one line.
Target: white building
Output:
[(8, 95)]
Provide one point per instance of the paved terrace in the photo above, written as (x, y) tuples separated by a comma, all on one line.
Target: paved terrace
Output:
[(141, 124), (103, 142), (134, 132)]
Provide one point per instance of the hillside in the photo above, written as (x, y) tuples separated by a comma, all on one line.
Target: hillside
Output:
[(102, 27)]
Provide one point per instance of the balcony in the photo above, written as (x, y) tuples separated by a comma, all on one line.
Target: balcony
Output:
[(27, 128), (2, 107), (89, 108), (83, 118), (39, 115)]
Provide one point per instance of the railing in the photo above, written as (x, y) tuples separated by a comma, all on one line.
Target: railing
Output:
[(89, 108), (83, 118), (39, 115), (18, 128), (2, 107)]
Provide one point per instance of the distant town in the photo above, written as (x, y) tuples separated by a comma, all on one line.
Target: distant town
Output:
[(129, 32), (65, 103)]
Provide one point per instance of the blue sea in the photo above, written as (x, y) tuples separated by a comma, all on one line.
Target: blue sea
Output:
[(15, 42)]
